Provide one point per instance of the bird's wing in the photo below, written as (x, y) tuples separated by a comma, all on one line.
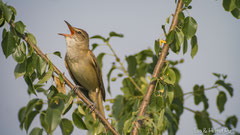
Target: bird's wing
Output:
[(99, 73), (84, 90)]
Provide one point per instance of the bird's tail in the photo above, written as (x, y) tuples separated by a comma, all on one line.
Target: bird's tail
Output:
[(100, 106), (96, 97)]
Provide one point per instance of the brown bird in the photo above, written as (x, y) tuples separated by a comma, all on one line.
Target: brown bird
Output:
[(83, 67)]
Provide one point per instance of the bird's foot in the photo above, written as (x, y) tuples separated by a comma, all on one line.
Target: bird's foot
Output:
[(76, 88), (92, 107)]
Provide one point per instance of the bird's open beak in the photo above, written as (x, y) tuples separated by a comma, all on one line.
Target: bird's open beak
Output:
[(71, 30)]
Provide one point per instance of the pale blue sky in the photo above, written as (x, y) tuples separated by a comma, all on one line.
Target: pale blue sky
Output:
[(140, 21)]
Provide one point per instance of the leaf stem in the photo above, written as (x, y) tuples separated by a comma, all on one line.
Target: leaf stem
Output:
[(123, 68)]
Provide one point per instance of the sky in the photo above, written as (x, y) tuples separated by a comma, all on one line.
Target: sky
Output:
[(140, 21)]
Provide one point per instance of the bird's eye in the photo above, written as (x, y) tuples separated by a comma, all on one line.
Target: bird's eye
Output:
[(79, 32)]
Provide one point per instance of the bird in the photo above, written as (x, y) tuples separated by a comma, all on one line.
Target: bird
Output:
[(83, 67)]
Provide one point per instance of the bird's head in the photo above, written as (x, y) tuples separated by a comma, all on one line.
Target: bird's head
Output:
[(77, 37)]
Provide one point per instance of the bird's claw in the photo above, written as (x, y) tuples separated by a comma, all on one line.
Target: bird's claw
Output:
[(92, 107), (75, 89)]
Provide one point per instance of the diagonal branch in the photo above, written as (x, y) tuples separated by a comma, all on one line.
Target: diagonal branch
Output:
[(78, 91), (156, 71)]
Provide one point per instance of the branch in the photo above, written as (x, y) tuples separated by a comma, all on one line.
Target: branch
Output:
[(156, 71), (78, 91)]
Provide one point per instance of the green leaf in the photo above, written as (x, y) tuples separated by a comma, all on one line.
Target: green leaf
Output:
[(132, 64), (99, 59), (128, 125), (217, 75), (175, 47), (118, 106), (109, 77), (4, 33), (157, 47), (226, 86), (20, 27), (113, 79), (20, 70), (94, 46), (181, 18), (187, 2), (23, 47), (6, 12), (31, 104), (179, 37), (47, 76), (36, 131), (199, 96), (203, 121), (31, 64), (229, 5), (43, 120), (221, 100), (66, 126), (68, 106), (8, 44), (41, 65), (77, 120), (18, 55), (185, 45), (114, 34), (237, 3), (156, 103), (32, 38), (12, 9), (189, 27), (2, 21), (171, 77), (21, 116), (170, 37), (80, 110), (57, 53), (57, 103), (98, 37), (29, 82), (177, 74), (236, 13), (194, 46), (53, 91), (172, 122), (231, 121), (52, 118), (29, 119), (39, 104)]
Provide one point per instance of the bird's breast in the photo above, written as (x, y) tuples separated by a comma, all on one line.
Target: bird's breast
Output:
[(82, 70)]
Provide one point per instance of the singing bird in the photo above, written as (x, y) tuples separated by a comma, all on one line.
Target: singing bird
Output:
[(83, 67)]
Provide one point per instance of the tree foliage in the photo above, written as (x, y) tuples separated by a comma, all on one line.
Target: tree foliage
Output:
[(167, 100)]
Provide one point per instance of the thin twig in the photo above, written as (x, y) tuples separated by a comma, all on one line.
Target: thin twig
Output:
[(156, 71), (123, 68), (213, 119), (78, 91), (191, 92)]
